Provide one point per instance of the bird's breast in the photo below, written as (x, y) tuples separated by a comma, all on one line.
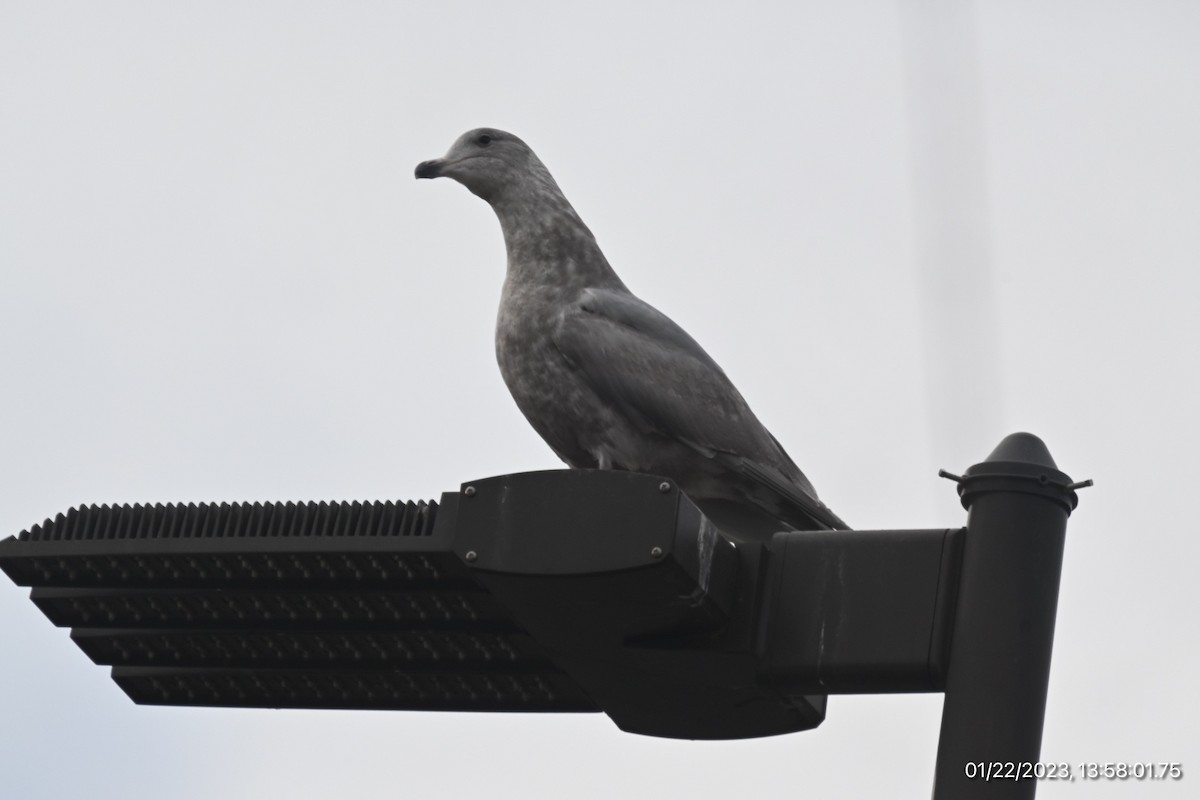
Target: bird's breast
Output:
[(549, 392)]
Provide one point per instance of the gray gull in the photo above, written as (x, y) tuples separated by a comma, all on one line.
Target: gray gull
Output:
[(606, 379)]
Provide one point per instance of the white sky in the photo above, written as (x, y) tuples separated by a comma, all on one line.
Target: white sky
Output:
[(219, 281)]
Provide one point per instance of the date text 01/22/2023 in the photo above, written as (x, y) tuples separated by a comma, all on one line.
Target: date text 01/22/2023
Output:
[(1064, 771)]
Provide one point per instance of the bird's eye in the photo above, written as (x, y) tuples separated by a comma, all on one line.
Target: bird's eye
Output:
[(484, 139)]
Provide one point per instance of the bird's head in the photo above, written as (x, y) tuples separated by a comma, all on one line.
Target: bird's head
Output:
[(488, 162)]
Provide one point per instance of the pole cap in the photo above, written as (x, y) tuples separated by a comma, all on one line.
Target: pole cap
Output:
[(1020, 463)]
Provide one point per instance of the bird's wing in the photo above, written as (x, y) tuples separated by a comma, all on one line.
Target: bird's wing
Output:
[(636, 358), (809, 506)]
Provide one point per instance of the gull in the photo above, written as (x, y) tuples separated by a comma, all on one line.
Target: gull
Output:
[(606, 379)]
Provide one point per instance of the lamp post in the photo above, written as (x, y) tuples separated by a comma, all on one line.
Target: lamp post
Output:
[(999, 664)]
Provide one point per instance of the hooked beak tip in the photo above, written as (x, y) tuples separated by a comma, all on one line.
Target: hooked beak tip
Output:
[(429, 169)]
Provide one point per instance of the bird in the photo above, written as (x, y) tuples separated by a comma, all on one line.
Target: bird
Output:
[(607, 380)]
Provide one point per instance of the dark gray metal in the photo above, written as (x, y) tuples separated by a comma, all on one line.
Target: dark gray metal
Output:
[(569, 590), (1004, 625), (578, 590), (852, 612), (643, 602), (283, 605)]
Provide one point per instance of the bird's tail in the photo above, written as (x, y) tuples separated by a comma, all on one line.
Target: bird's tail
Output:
[(791, 503)]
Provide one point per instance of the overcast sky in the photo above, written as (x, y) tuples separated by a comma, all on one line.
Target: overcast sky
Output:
[(903, 230)]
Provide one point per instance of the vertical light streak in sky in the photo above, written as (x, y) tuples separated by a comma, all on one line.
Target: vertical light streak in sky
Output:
[(952, 256)]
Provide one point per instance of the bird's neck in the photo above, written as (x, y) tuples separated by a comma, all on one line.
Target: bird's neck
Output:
[(547, 242)]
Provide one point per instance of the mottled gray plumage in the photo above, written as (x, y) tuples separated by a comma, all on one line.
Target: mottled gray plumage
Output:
[(606, 379)]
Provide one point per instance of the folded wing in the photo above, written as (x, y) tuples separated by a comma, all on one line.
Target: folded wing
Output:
[(647, 367)]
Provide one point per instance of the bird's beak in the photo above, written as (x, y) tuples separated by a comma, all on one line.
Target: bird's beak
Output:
[(430, 169)]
